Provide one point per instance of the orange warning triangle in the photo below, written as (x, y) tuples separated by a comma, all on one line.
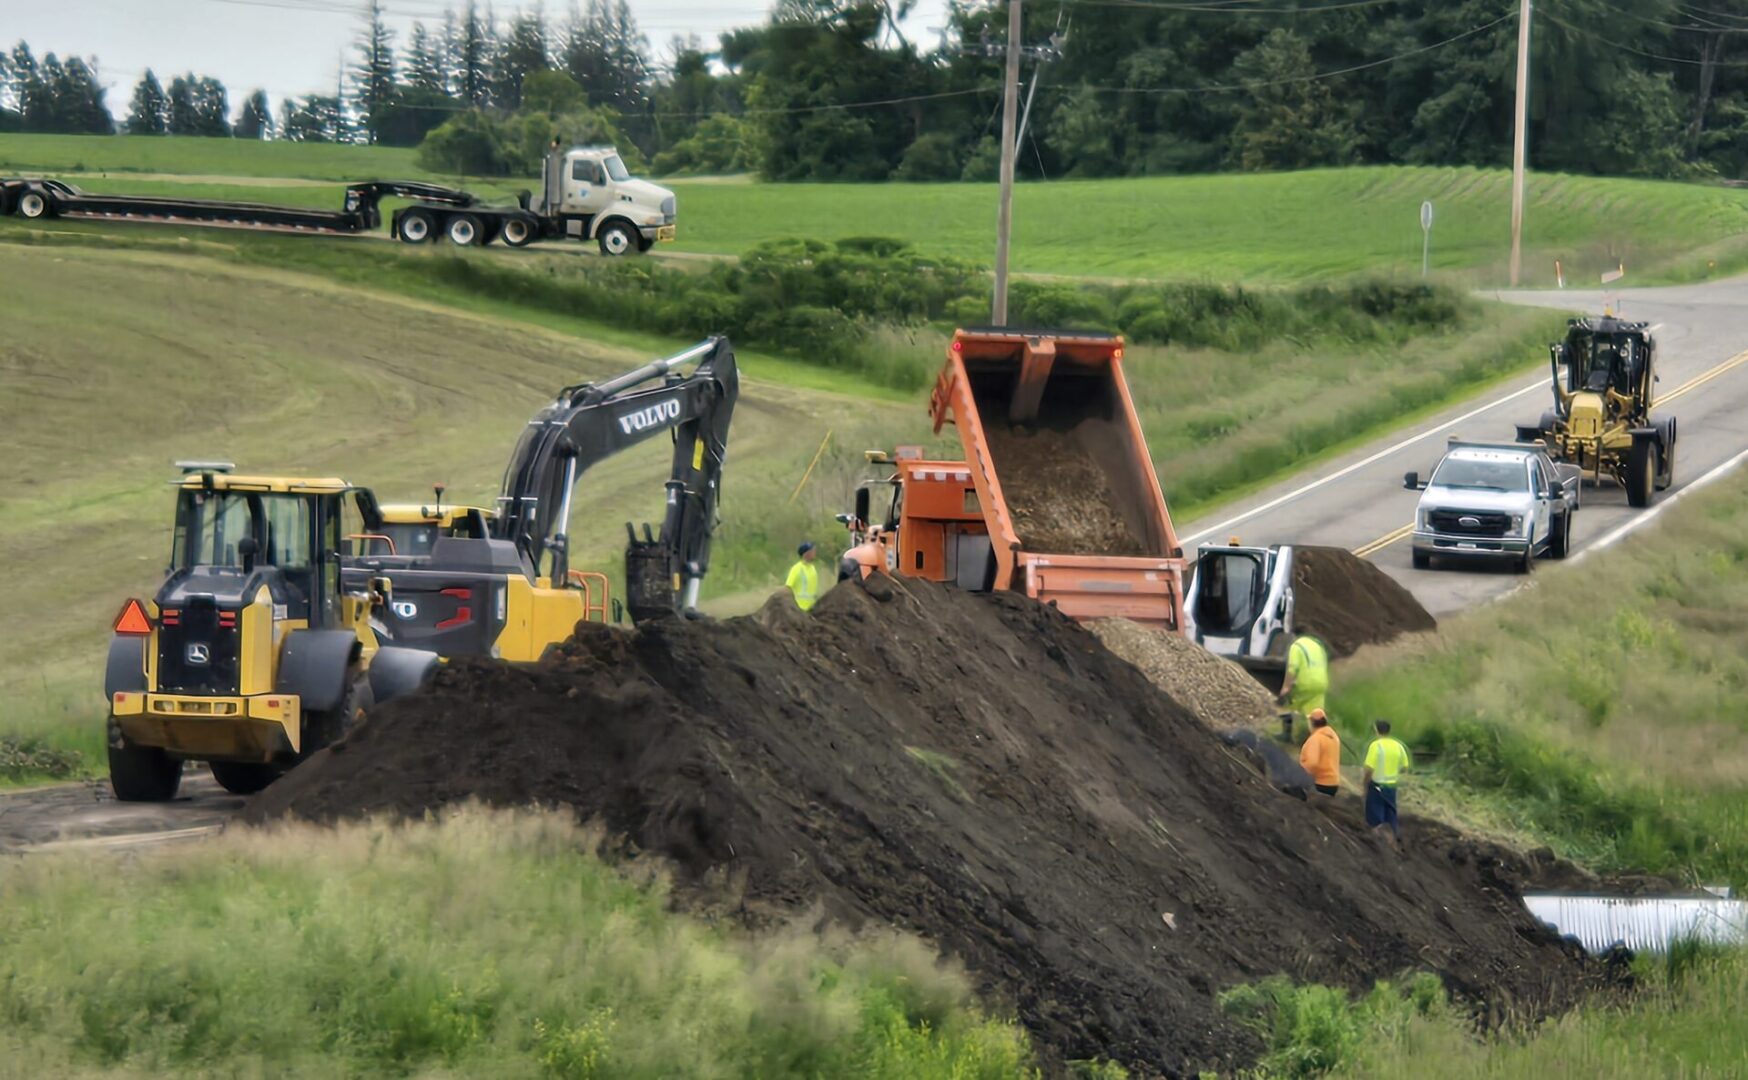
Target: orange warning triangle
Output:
[(133, 620)]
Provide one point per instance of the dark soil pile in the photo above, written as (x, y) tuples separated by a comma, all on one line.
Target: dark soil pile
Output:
[(1061, 500), (978, 770), (1347, 602)]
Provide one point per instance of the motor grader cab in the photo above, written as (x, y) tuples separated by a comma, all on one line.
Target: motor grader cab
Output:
[(512, 592), (1604, 379), (252, 653), (1055, 497), (1240, 606)]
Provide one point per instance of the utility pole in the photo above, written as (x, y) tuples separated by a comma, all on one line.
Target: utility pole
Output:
[(1009, 117), (1517, 150)]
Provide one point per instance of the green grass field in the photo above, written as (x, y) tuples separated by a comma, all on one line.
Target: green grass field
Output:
[(1260, 228)]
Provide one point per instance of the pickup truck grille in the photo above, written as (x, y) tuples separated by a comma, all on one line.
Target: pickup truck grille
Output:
[(1468, 522)]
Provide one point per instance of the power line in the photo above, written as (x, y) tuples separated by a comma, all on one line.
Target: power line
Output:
[(1622, 46), (1234, 9), (1646, 19)]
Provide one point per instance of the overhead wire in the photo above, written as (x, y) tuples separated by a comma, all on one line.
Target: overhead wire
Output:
[(1624, 47)]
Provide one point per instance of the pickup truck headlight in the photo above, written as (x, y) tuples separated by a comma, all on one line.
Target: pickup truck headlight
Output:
[(1424, 524), (1517, 523)]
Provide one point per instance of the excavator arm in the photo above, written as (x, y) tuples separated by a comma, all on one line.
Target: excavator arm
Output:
[(589, 423)]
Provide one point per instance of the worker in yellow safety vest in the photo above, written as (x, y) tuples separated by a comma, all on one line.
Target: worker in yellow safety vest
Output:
[(803, 578), (1307, 675), (1386, 760)]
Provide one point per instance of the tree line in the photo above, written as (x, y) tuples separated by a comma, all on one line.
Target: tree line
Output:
[(835, 90)]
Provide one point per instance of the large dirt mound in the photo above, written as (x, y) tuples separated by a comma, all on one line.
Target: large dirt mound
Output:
[(1348, 602), (976, 769), (1218, 691)]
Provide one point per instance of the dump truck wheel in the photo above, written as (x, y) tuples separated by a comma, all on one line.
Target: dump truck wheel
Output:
[(143, 773), (416, 227), (1641, 473), (617, 238), (465, 230), (244, 777), (1561, 542)]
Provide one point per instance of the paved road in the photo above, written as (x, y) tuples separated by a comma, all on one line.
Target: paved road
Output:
[(1358, 501)]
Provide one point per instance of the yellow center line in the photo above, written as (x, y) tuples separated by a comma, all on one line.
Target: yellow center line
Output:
[(1368, 549)]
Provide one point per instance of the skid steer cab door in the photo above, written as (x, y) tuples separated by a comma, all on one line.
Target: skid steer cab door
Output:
[(1240, 604)]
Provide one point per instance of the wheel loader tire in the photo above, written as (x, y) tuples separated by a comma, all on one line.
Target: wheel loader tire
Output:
[(143, 773), (1641, 473), (244, 777), (1422, 560), (1561, 542), (417, 226), (322, 729)]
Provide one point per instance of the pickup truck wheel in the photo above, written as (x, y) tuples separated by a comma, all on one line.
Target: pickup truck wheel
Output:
[(143, 773), (34, 205), (416, 227), (1641, 473), (617, 238), (518, 232), (1561, 542), (244, 777), (1422, 560), (465, 230)]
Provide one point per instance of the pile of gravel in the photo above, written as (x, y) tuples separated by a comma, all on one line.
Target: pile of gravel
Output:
[(1218, 691)]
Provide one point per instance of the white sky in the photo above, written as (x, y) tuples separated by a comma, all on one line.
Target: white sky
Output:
[(296, 47)]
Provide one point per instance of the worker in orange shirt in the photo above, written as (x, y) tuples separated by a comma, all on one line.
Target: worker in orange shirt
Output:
[(1321, 754)]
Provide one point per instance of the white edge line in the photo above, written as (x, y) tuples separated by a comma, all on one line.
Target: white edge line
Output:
[(1539, 384), (1619, 531)]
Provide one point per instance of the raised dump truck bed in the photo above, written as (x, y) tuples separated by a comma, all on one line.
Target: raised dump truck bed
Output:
[(1056, 495)]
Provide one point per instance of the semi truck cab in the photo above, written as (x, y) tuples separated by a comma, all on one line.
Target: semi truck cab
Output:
[(590, 193)]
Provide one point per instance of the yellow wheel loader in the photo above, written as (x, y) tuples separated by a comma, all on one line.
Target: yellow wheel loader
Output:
[(252, 654), (1605, 380)]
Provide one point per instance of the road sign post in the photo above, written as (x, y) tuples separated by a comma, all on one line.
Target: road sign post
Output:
[(1425, 234)]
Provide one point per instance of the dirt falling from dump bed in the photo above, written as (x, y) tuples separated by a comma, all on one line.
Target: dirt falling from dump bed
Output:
[(1061, 501), (975, 769), (1218, 691), (1347, 602)]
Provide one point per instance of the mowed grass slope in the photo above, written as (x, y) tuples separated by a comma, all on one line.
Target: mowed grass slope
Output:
[(113, 364), (1273, 228)]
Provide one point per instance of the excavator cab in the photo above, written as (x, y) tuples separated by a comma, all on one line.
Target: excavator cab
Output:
[(253, 652)]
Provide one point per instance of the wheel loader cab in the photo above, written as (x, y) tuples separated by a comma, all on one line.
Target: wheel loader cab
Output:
[(251, 653)]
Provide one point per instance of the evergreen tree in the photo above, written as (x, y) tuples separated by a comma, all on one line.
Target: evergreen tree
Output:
[(314, 119), (425, 61), (78, 106), (256, 119), (182, 119), (473, 58), (522, 53), (149, 112), (375, 73)]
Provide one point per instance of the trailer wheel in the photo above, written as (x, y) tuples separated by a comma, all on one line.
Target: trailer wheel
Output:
[(34, 205), (416, 226), (617, 238), (465, 230), (518, 232)]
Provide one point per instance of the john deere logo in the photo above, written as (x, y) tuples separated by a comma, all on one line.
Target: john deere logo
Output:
[(406, 609), (1469, 522), (198, 653)]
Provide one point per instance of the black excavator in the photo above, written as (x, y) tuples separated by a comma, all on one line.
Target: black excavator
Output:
[(513, 593)]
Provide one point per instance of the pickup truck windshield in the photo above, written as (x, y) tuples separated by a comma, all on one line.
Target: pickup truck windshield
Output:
[(1488, 475)]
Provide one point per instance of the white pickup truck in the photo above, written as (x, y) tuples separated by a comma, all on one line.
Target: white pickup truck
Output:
[(1495, 501)]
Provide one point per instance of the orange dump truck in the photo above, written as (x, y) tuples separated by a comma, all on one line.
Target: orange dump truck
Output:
[(1055, 496)]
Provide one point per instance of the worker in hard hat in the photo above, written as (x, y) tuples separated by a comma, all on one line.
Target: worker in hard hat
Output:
[(803, 578), (1307, 675), (1321, 754), (1386, 760)]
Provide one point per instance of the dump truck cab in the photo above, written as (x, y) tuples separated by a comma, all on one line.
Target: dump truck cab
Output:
[(1240, 606), (1056, 496), (251, 654)]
